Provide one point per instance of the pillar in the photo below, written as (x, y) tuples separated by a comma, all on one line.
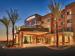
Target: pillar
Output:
[(30, 39), (22, 39), (36, 39), (69, 39), (63, 38), (19, 39)]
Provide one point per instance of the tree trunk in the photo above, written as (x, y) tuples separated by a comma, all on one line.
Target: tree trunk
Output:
[(7, 34), (13, 34), (57, 41), (69, 40), (57, 37)]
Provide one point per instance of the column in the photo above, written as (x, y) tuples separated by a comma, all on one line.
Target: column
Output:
[(33, 39), (16, 39), (36, 39), (22, 39), (19, 39), (54, 40), (69, 39), (42, 39), (30, 39), (63, 38)]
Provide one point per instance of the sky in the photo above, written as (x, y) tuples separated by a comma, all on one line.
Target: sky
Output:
[(27, 8)]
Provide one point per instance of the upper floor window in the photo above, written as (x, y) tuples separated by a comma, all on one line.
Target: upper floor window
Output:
[(69, 12), (69, 21), (60, 30), (62, 23), (55, 25), (55, 19), (69, 29), (48, 20), (62, 16)]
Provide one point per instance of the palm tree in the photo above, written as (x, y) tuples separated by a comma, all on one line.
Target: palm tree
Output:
[(13, 16), (6, 22), (55, 10)]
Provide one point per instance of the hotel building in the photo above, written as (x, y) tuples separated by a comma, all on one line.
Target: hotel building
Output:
[(42, 29)]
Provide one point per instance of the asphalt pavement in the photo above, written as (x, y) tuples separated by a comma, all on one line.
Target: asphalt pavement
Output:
[(36, 51)]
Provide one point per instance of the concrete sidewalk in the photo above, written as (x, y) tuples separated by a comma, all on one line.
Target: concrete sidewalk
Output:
[(35, 45)]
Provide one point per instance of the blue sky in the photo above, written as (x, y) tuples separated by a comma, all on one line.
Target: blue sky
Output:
[(27, 8)]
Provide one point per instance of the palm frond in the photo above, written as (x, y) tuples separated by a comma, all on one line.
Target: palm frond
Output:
[(5, 21), (55, 9), (13, 15)]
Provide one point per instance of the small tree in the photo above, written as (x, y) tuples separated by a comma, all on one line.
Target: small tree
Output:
[(13, 16), (55, 10), (6, 22)]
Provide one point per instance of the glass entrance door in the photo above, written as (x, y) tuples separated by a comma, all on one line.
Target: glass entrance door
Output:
[(27, 39)]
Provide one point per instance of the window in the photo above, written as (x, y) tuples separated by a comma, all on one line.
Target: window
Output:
[(62, 23), (60, 30), (49, 28), (69, 21), (62, 16), (55, 25), (69, 29), (55, 19), (69, 12), (42, 22), (63, 29), (48, 20), (33, 22)]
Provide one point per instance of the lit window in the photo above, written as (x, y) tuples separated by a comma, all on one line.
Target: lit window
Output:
[(69, 12), (62, 23), (54, 18)]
